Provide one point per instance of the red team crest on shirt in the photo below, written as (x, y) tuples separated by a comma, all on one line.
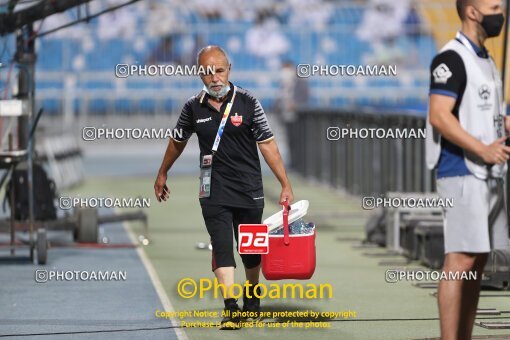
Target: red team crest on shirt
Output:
[(236, 120)]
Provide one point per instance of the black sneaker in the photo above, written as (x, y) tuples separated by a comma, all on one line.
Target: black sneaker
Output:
[(251, 306), (231, 316)]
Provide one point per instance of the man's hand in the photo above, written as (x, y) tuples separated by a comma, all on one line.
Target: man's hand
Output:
[(160, 189), (496, 153), (286, 195), (173, 151)]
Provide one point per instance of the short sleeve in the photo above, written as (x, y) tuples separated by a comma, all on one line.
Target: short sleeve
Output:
[(185, 127), (260, 129), (448, 75)]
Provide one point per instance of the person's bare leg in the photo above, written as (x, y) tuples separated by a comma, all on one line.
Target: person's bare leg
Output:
[(251, 298), (471, 294), (449, 295), (225, 276), (456, 298), (253, 274)]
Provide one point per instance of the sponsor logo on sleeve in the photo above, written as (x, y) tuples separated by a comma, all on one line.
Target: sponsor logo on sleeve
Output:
[(441, 74)]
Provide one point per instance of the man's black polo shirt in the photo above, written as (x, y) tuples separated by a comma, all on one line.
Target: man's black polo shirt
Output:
[(236, 176)]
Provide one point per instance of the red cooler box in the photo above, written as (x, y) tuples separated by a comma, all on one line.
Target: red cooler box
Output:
[(290, 256)]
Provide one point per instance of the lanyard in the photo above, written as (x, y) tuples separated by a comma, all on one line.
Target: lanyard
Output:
[(468, 45), (223, 122)]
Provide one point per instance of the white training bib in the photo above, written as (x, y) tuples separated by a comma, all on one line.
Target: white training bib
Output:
[(481, 111)]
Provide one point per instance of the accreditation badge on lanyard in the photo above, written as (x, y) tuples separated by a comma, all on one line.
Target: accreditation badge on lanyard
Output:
[(206, 161)]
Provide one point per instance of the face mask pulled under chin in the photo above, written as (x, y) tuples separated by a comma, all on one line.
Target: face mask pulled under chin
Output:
[(220, 94), (492, 24)]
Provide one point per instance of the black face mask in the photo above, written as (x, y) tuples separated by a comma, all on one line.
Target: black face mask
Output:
[(492, 24)]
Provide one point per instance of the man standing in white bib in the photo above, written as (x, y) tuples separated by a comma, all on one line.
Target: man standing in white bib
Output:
[(465, 145)]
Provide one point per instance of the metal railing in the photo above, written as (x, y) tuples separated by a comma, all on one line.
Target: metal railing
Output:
[(361, 166)]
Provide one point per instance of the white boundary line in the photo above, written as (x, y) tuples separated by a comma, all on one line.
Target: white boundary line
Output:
[(156, 282)]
